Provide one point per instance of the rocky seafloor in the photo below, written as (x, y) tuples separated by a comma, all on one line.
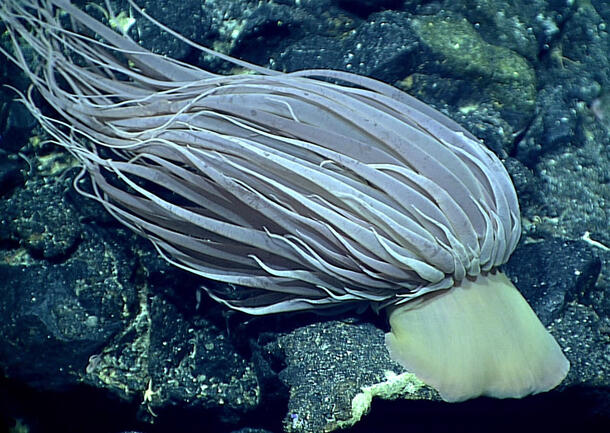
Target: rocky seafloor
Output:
[(100, 334)]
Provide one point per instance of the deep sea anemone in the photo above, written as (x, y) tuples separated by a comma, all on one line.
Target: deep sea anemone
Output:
[(299, 190)]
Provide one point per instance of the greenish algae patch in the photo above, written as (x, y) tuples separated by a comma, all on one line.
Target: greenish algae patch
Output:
[(503, 74), (463, 47), (395, 386)]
